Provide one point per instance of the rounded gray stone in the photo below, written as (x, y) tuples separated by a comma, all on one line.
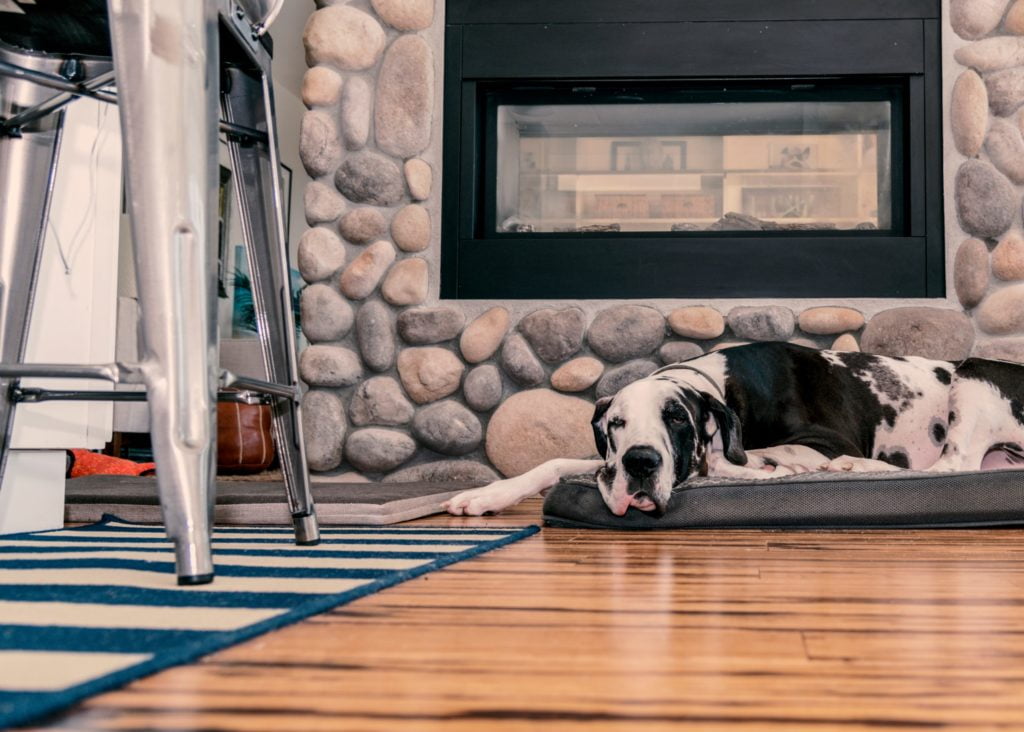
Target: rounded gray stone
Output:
[(326, 315), (356, 104), (329, 366), (323, 429), (344, 37), (482, 387), (367, 177), (992, 54), (1005, 90), (322, 203), (448, 428), (380, 400), (762, 323), (444, 471), (362, 225), (375, 334), (973, 19), (626, 331), (677, 351), (1004, 349), (519, 361), (377, 450), (319, 145), (1005, 148), (618, 377), (986, 201), (970, 272), (320, 254), (919, 331), (425, 325), (405, 93), (405, 15), (555, 334)]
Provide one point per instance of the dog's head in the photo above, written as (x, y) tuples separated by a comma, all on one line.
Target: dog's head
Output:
[(656, 433)]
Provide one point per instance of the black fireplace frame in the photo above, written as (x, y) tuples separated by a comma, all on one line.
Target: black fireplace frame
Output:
[(562, 44)]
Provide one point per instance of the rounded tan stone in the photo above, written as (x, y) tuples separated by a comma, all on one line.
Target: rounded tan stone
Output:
[(362, 225), (344, 37), (411, 228), (970, 272), (406, 15), (1008, 257), (482, 337), (697, 322), (830, 320), (992, 54), (1014, 21), (578, 374), (537, 425), (419, 177), (321, 87), (973, 19), (362, 276), (429, 373), (845, 342), (406, 283), (1002, 312), (968, 113)]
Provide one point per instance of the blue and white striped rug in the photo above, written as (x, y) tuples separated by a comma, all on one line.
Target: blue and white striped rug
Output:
[(88, 609)]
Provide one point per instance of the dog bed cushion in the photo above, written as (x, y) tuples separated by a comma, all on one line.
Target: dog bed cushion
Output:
[(904, 499)]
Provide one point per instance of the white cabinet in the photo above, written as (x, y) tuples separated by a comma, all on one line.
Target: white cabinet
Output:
[(73, 317)]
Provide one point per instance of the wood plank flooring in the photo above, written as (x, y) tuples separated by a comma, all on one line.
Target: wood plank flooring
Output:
[(599, 630)]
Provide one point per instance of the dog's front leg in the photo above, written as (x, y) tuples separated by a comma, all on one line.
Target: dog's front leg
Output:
[(501, 494)]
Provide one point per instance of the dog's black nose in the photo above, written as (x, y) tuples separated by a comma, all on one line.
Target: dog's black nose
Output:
[(640, 462)]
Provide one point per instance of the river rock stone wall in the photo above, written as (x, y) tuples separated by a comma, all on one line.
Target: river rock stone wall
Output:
[(404, 386)]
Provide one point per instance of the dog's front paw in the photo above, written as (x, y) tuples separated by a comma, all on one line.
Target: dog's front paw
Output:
[(847, 464), (478, 501)]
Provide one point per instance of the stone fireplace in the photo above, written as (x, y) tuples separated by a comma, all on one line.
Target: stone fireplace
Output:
[(413, 379)]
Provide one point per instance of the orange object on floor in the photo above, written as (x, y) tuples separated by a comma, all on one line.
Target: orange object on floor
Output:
[(85, 462)]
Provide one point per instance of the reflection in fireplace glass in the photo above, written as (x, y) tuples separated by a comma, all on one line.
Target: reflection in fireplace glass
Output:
[(693, 167)]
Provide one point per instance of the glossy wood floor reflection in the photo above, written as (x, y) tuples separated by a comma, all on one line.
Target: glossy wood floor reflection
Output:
[(596, 630)]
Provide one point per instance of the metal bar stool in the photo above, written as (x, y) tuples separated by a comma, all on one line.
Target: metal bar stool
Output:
[(176, 66)]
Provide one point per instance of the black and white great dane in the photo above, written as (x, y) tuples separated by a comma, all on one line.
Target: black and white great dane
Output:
[(771, 409)]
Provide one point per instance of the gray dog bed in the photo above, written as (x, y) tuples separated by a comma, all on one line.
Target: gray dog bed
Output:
[(904, 499)]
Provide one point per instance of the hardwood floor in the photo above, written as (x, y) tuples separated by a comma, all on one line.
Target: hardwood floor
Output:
[(598, 630)]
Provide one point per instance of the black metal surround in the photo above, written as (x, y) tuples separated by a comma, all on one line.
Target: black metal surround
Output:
[(550, 46)]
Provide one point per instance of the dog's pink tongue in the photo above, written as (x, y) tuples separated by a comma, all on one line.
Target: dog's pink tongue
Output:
[(621, 503)]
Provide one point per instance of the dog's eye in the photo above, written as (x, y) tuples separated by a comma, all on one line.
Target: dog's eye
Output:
[(675, 415), (616, 422)]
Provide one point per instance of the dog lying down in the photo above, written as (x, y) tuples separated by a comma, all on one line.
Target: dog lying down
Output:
[(773, 409)]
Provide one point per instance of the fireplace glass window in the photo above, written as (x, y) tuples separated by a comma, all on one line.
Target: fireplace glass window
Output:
[(643, 166)]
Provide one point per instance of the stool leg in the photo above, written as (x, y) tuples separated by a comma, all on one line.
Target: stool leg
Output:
[(28, 164), (166, 60), (248, 101)]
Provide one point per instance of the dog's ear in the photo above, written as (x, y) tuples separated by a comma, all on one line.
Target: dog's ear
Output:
[(729, 427), (600, 437)]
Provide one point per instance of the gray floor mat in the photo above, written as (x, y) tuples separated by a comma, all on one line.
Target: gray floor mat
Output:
[(811, 501), (260, 502)]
